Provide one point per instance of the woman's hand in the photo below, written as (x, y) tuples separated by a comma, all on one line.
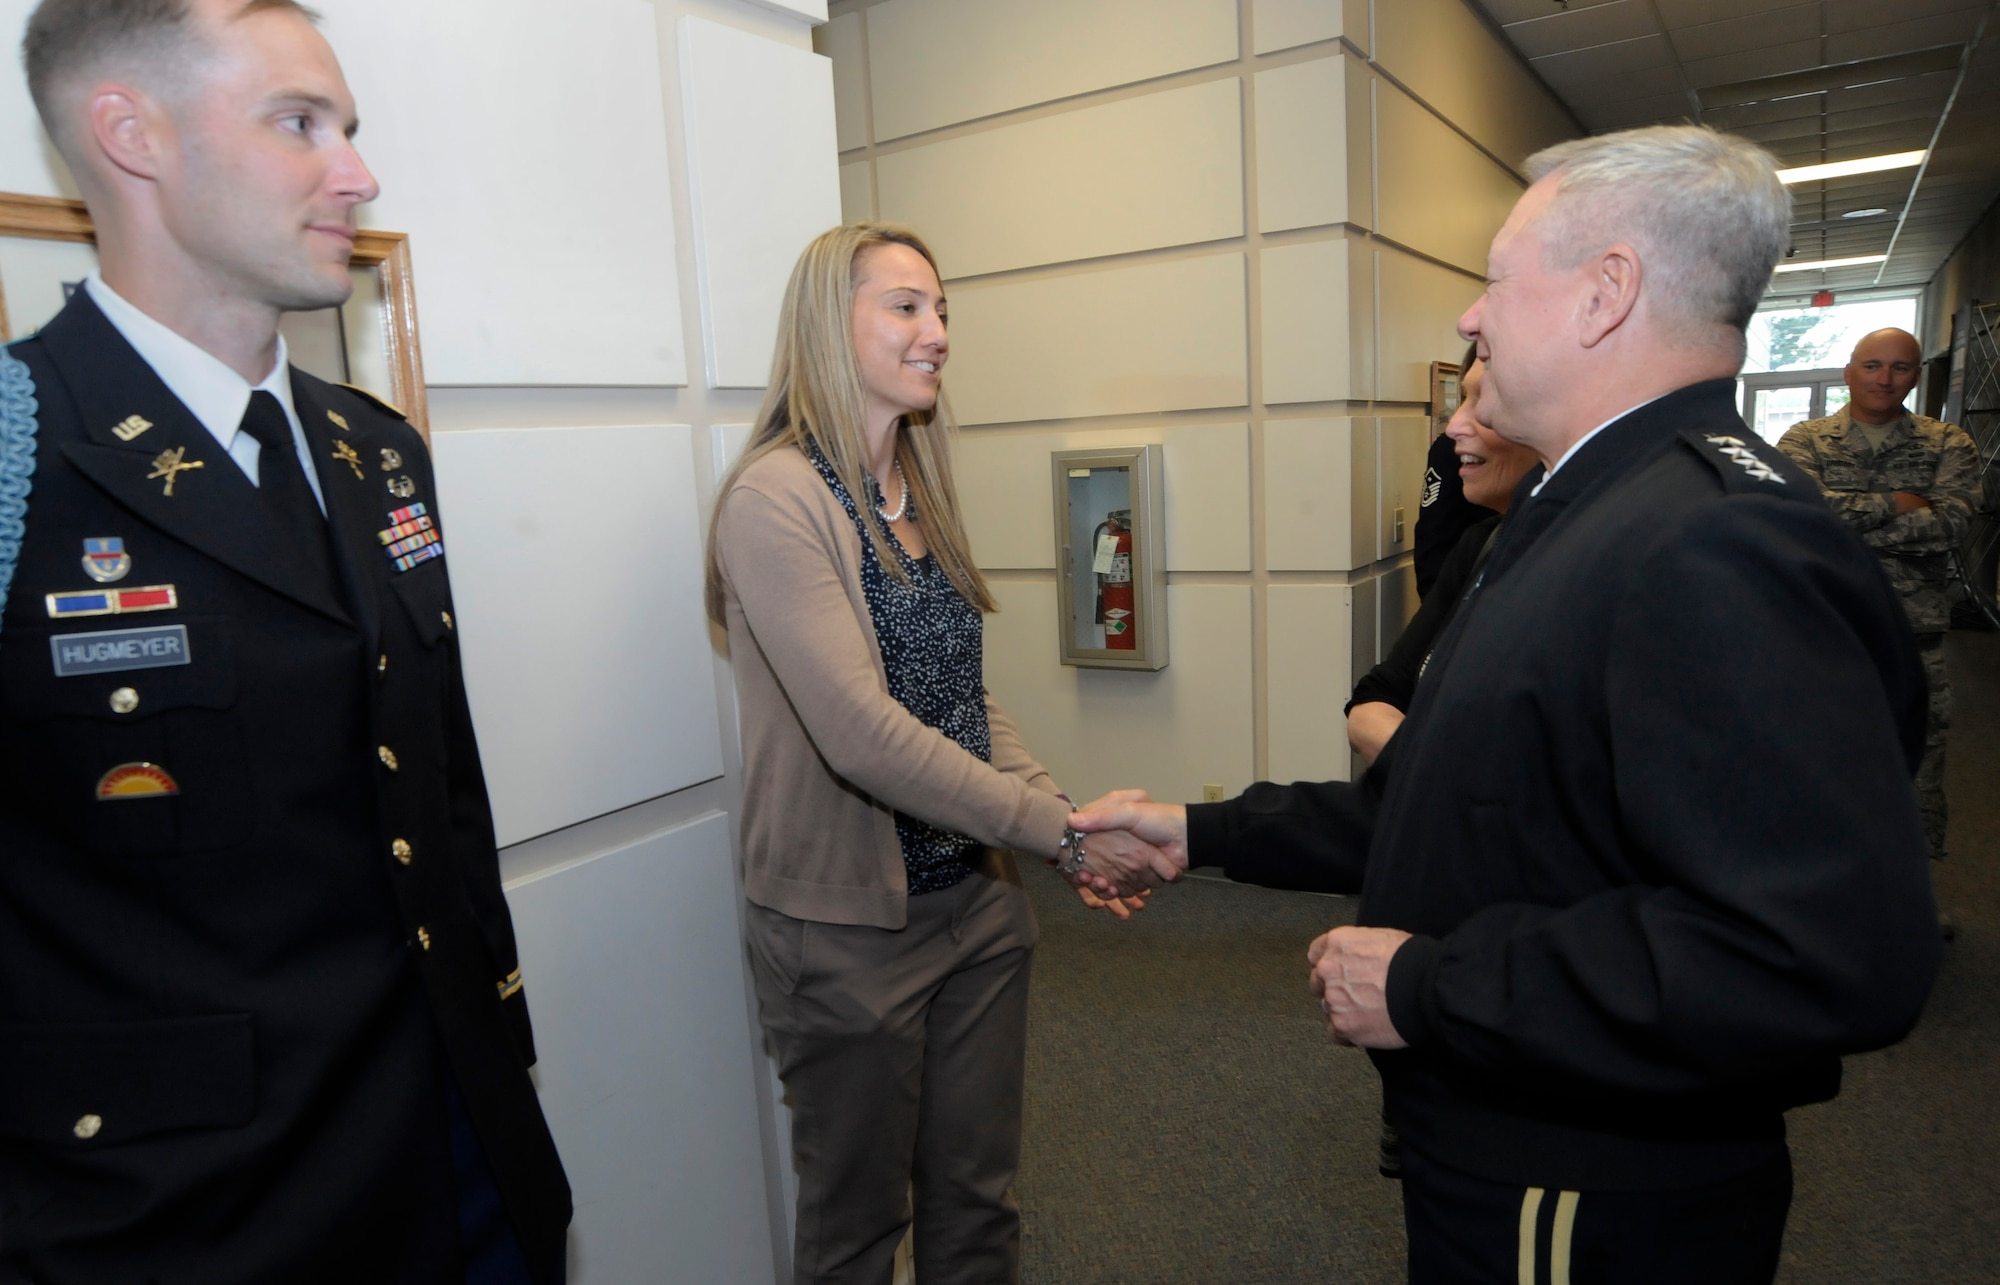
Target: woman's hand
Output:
[(1120, 907)]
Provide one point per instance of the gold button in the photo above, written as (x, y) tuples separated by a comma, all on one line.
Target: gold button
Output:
[(382, 665), (88, 1127), (387, 755), (447, 618), (124, 700), (424, 938), (402, 851)]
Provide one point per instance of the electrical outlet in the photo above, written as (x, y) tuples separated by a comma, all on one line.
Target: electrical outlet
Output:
[(1211, 794), (1397, 538)]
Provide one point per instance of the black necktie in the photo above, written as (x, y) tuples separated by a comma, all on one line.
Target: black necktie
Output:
[(287, 497)]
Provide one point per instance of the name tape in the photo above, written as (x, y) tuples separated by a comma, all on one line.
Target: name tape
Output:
[(114, 650)]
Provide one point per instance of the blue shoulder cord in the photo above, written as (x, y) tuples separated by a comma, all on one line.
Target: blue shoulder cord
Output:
[(17, 462)]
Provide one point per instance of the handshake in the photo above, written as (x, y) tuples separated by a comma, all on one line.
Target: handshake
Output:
[(1133, 845)]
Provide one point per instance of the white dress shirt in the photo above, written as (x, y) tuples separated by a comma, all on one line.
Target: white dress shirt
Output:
[(212, 392)]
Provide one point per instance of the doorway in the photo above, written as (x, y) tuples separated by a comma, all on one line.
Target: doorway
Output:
[(1771, 403)]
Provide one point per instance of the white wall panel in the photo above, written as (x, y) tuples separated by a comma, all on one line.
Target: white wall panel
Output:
[(1149, 337), (1421, 304), (763, 181), (1396, 602), (1164, 169), (1454, 221), (1004, 491), (1318, 314), (844, 42), (1312, 145), (1096, 730), (28, 163), (1454, 63), (810, 10), (938, 62), (463, 102), (857, 199), (1311, 673), (633, 962), (1405, 442), (1281, 24), (1320, 480), (575, 560)]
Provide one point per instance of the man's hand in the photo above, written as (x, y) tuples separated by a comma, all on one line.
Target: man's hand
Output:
[(1350, 974), (1369, 727), (1909, 502), (1134, 842)]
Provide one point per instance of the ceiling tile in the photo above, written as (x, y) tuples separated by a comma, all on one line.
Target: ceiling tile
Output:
[(1902, 37), (1752, 31), (1693, 13), (1628, 69), (1887, 114), (1853, 15), (1629, 113), (1507, 12), (1934, 88), (1601, 24), (1804, 107), (1753, 63)]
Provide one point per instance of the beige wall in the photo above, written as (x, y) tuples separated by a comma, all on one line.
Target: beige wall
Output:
[(1241, 229)]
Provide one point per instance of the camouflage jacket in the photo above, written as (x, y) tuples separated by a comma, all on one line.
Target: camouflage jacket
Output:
[(1921, 455)]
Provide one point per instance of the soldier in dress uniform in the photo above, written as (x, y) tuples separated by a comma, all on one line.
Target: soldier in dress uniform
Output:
[(260, 1006), (1905, 483)]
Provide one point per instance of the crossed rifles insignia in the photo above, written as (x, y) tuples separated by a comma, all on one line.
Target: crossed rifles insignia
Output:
[(167, 464)]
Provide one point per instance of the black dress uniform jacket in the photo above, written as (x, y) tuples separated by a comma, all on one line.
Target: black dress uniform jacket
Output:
[(230, 1017), (1650, 819)]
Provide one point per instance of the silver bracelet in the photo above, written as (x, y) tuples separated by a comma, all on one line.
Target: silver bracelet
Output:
[(1070, 863)]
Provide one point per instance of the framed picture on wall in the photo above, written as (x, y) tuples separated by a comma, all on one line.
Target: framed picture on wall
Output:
[(47, 248), (1444, 394)]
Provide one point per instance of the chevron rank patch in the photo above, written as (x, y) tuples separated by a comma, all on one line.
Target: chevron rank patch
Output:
[(1741, 455)]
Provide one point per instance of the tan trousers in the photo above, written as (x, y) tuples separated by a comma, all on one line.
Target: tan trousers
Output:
[(902, 1055)]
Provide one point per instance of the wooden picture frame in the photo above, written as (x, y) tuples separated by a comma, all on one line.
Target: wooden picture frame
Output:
[(1445, 392), (386, 254)]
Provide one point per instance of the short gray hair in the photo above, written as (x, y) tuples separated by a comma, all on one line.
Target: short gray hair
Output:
[(1705, 211)]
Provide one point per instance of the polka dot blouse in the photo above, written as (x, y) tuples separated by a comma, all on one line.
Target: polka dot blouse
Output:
[(932, 644)]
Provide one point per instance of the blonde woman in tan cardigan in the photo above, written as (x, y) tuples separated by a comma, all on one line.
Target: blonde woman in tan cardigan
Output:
[(884, 791)]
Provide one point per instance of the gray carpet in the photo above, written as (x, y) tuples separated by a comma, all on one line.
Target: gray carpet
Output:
[(1189, 1122)]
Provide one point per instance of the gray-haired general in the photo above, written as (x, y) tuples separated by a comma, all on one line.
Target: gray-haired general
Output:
[(1644, 860)]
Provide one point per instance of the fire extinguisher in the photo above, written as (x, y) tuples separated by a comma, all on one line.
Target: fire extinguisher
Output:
[(1113, 544)]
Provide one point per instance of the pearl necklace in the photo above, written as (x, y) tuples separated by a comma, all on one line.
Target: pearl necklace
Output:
[(902, 506)]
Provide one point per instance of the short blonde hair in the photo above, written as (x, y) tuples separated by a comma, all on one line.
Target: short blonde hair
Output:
[(816, 397)]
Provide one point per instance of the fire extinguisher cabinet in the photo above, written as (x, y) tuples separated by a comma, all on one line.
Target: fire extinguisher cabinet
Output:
[(1111, 573)]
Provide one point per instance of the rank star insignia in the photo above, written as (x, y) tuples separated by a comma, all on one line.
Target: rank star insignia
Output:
[(1742, 457), (130, 427), (167, 464), (339, 420), (345, 454), (391, 459)]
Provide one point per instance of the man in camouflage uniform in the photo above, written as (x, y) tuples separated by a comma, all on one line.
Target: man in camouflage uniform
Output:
[(1905, 483)]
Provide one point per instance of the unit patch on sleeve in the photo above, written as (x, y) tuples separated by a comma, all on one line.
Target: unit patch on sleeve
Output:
[(411, 537), (135, 781)]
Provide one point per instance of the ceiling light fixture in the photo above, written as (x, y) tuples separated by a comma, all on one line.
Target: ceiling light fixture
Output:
[(1865, 214), (1862, 165), (1852, 262)]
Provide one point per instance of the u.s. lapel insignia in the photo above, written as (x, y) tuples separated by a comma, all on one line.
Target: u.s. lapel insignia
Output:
[(392, 459), (105, 559), (410, 538), (136, 781), (130, 427), (402, 487), (339, 420), (167, 464), (345, 454)]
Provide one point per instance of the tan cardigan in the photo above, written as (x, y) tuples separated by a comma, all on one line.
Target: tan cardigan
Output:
[(829, 756)]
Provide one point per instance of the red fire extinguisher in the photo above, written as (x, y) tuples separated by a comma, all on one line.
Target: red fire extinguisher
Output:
[(1113, 544)]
